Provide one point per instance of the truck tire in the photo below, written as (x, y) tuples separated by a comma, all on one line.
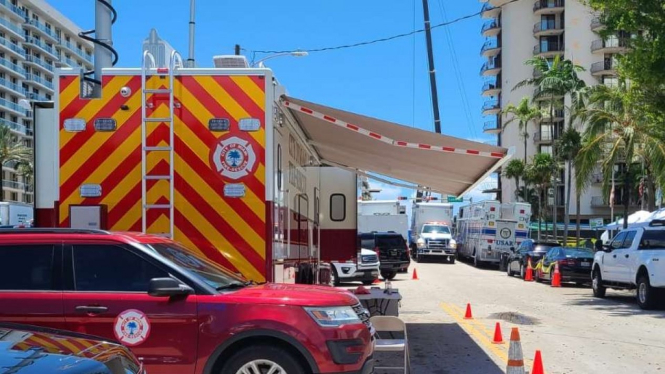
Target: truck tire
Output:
[(390, 275), (597, 284), (646, 295), (452, 260), (334, 278), (267, 358), (419, 258)]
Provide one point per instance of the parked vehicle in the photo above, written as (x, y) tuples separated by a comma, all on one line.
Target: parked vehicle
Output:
[(574, 265), (383, 215), (391, 248), (488, 229), (178, 311), (36, 350), (431, 231), (529, 249), (634, 259), (364, 269)]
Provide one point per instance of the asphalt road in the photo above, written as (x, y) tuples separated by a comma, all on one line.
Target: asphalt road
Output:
[(575, 332)]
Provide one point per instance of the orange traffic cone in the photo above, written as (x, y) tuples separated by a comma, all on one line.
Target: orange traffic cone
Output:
[(556, 278), (498, 339), (415, 274), (515, 356), (528, 275), (538, 364), (468, 314), (376, 281)]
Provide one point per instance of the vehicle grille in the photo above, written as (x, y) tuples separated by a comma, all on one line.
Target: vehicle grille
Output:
[(370, 258), (437, 244), (363, 314)]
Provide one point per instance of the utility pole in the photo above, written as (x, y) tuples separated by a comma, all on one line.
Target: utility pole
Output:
[(432, 72)]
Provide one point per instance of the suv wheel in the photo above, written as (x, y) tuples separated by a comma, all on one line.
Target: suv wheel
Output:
[(522, 271), (509, 271), (645, 293), (597, 284), (390, 275), (451, 259), (262, 359)]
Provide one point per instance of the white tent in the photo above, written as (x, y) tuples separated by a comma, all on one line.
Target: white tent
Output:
[(637, 217)]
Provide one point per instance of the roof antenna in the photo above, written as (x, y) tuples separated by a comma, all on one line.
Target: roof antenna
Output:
[(192, 24)]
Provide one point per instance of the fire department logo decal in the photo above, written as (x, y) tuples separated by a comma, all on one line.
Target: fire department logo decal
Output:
[(234, 158), (131, 327)]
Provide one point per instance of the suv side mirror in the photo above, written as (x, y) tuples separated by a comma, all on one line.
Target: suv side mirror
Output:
[(607, 248), (512, 249), (167, 287)]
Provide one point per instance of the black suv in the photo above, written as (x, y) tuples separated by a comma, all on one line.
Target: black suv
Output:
[(392, 249)]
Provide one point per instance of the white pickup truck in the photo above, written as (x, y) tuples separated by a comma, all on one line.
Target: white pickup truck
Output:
[(634, 259)]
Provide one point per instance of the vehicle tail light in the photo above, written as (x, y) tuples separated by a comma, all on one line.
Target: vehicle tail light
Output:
[(490, 241), (567, 261)]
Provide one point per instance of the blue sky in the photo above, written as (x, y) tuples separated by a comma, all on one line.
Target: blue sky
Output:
[(386, 80)]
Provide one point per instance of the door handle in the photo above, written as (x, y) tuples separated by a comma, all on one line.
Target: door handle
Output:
[(91, 309), (627, 256)]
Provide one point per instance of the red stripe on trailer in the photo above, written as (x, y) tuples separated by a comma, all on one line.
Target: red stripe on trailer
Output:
[(162, 70), (401, 143), (472, 152), (496, 154), (306, 110), (448, 149), (352, 127), (328, 118), (424, 146), (375, 135)]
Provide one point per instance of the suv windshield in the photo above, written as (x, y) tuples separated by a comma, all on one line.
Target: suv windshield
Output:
[(209, 272), (390, 241), (436, 229)]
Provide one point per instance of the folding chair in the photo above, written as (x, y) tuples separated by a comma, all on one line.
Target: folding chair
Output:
[(391, 324)]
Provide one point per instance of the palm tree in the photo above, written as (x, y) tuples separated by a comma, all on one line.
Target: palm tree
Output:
[(12, 151), (515, 170), (540, 172), (523, 113), (617, 127), (556, 80), (567, 148)]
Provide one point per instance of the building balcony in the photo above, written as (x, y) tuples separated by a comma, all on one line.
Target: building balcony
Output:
[(491, 127), (491, 89), (40, 64), (559, 115), (12, 185), (548, 49), (13, 49), (602, 202), (11, 29), (43, 83), (13, 87), (607, 67), (491, 107), (543, 137), (547, 28), (11, 68), (549, 7), (490, 69), (46, 32), (78, 51), (67, 62), (37, 97), (13, 107), (490, 11), (597, 25), (612, 45), (490, 48), (41, 46), (15, 11), (13, 126), (491, 28)]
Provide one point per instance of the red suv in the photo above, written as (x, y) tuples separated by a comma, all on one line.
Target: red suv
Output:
[(179, 312)]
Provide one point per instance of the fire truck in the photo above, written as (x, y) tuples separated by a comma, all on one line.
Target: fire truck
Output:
[(223, 160), (489, 228)]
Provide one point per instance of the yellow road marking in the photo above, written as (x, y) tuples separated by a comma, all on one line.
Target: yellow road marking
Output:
[(487, 331), (498, 351)]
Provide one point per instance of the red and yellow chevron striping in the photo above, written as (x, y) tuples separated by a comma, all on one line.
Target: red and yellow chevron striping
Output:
[(228, 230)]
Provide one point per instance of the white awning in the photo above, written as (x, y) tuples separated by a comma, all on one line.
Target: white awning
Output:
[(441, 163)]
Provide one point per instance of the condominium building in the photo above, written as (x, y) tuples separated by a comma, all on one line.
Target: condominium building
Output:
[(517, 31), (34, 40)]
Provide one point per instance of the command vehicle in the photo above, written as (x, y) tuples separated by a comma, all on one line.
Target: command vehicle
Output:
[(634, 259), (26, 349), (489, 228), (431, 231), (178, 311)]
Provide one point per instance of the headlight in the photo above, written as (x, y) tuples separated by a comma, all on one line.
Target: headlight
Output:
[(453, 244), (420, 242), (333, 316)]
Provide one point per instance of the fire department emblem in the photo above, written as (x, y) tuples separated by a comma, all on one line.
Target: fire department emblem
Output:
[(131, 327), (234, 158)]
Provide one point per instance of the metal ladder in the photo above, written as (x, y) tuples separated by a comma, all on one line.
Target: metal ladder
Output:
[(175, 62)]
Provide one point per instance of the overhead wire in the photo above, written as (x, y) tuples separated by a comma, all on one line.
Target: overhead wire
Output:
[(380, 40)]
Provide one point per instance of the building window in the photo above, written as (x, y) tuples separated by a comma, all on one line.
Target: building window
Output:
[(35, 17), (546, 149), (13, 196)]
